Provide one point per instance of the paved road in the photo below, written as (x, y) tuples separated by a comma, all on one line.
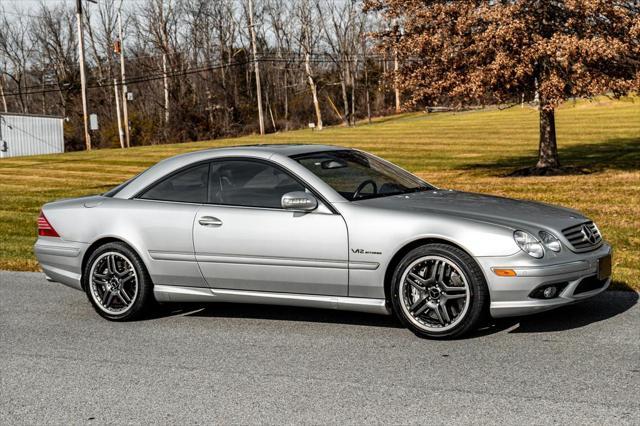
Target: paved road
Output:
[(61, 363)]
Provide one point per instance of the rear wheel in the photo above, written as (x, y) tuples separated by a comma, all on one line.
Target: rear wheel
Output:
[(117, 283), (439, 291)]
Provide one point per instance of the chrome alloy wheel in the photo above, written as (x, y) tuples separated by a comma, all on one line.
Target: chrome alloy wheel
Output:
[(434, 293), (113, 283)]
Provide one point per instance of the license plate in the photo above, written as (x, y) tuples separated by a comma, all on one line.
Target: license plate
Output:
[(604, 267)]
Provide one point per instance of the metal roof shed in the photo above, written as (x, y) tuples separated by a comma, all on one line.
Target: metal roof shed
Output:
[(26, 134)]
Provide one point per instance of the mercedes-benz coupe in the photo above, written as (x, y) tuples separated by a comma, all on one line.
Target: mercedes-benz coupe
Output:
[(322, 227)]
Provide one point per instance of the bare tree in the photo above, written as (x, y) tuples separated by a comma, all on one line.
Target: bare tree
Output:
[(189, 65), (342, 26), (4, 98), (280, 13), (160, 24), (308, 38), (55, 39), (16, 49)]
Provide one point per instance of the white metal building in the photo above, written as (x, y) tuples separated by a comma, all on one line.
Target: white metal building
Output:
[(24, 134)]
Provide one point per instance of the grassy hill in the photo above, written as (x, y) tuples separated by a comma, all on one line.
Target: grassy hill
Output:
[(469, 151)]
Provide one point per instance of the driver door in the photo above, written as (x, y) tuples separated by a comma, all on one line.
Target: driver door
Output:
[(245, 240)]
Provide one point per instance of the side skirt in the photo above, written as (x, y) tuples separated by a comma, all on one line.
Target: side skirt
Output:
[(169, 293)]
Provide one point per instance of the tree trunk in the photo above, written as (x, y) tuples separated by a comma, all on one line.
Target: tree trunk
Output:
[(396, 89), (44, 103), (4, 99), (353, 98), (314, 92), (548, 152), (345, 100), (366, 80)]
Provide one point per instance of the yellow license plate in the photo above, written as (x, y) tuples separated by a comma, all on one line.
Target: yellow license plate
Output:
[(604, 267)]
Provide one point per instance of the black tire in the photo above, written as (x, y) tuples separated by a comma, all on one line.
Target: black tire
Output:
[(143, 299), (478, 300)]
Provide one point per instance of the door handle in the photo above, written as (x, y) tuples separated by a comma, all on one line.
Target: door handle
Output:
[(210, 221)]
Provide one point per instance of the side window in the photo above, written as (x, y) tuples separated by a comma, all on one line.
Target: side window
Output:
[(189, 186), (250, 184)]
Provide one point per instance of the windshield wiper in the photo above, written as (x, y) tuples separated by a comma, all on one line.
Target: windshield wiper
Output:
[(391, 193), (418, 189)]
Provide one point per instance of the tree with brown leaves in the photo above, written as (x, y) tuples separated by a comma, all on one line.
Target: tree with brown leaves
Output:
[(474, 52)]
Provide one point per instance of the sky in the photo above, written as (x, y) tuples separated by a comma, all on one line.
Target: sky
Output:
[(30, 4), (24, 6), (15, 8)]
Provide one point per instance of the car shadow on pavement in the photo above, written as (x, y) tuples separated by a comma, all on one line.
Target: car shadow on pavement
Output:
[(599, 308)]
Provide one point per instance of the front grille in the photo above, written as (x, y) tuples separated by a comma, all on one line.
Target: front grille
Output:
[(583, 237), (589, 284)]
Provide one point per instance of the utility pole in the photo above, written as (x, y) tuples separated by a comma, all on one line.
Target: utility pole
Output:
[(257, 67), (120, 132), (165, 80), (125, 110), (83, 78)]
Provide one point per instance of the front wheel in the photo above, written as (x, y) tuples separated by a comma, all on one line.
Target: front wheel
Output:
[(439, 291), (117, 283)]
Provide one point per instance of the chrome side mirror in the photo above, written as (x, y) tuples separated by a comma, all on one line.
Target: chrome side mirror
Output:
[(299, 200)]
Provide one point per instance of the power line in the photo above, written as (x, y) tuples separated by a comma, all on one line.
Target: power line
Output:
[(23, 15), (159, 76), (132, 80)]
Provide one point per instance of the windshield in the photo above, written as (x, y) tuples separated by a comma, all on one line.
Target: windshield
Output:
[(357, 175)]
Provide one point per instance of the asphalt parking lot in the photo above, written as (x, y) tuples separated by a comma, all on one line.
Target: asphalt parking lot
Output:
[(61, 363)]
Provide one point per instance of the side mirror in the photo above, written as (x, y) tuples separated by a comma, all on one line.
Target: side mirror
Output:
[(299, 200)]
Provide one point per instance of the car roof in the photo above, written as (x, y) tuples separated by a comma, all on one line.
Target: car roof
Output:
[(282, 149), (261, 150)]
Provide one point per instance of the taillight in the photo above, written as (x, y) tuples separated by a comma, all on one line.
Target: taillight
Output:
[(44, 227)]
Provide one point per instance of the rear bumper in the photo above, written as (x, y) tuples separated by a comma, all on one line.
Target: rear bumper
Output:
[(510, 296), (60, 260)]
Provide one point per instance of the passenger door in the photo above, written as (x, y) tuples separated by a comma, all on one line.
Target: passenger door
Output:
[(245, 240)]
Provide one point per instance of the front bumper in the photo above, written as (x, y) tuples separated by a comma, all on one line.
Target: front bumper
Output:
[(510, 296)]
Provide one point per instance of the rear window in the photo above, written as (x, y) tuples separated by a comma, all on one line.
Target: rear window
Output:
[(187, 186), (114, 191)]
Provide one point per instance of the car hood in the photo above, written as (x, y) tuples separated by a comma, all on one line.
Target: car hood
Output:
[(497, 210)]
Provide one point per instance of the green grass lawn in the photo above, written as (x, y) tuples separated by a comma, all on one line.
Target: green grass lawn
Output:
[(469, 151)]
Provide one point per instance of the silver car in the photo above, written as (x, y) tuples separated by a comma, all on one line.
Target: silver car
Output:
[(322, 227)]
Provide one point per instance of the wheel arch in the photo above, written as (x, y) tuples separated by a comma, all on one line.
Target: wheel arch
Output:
[(400, 253), (99, 243)]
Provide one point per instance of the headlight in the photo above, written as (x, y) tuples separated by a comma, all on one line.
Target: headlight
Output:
[(550, 241), (528, 244)]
